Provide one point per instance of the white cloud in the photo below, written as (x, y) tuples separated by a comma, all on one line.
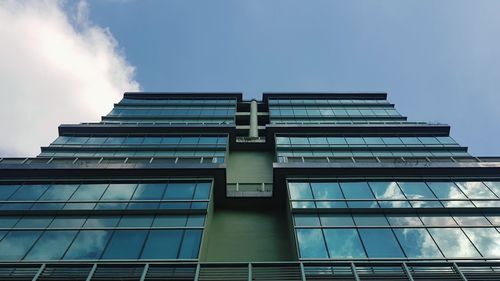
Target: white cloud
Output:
[(54, 68)]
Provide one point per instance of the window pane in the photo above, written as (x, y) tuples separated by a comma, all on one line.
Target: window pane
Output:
[(299, 190), (417, 243), (125, 244), (88, 245), (471, 220), (196, 220), (326, 190), (149, 191), (306, 220), (7, 190), (34, 222), (344, 243), (88, 192), (475, 190), (170, 221), (119, 192), (380, 243), (67, 222), (311, 244), (453, 243), (190, 244), (202, 191), (336, 220), (28, 192), (102, 221), (487, 240), (8, 222), (404, 220), (59, 192), (386, 190), (179, 191), (162, 244), (16, 243), (356, 190), (438, 220), (446, 190), (494, 186), (136, 221), (416, 190), (370, 220), (51, 246)]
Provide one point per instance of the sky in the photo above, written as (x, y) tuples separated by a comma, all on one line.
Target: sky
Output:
[(68, 61)]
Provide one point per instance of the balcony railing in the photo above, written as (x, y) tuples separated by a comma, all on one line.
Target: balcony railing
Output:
[(289, 271), (249, 190)]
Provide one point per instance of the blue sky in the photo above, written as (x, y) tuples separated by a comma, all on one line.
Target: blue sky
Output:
[(437, 60)]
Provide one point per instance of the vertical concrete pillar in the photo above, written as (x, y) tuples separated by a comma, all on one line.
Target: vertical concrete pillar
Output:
[(254, 130)]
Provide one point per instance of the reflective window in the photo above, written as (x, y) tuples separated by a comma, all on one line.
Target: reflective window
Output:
[(404, 220), (190, 244), (416, 190), (336, 220), (88, 245), (344, 243), (68, 222), (170, 221), (306, 220), (326, 190), (438, 220), (119, 192), (89, 192), (102, 221), (7, 190), (136, 221), (356, 190), (370, 220), (470, 220), (34, 222), (125, 244), (475, 190), (162, 244), (486, 240), (386, 190), (202, 191), (16, 243), (28, 192), (59, 192), (299, 190), (380, 243), (311, 244), (51, 245), (446, 190), (179, 191), (417, 243), (453, 242), (151, 191), (494, 186)]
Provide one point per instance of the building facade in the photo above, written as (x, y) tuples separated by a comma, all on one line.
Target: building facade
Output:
[(208, 186)]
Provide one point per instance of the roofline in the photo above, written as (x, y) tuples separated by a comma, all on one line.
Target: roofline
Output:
[(147, 95), (324, 95)]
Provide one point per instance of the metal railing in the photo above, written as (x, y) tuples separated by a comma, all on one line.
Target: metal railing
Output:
[(289, 271), (89, 160), (249, 190)]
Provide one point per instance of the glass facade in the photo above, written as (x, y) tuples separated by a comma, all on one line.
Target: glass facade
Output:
[(172, 186)]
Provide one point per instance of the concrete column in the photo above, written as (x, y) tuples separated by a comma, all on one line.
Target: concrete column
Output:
[(254, 130)]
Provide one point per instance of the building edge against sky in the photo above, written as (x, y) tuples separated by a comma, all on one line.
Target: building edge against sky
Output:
[(209, 186)]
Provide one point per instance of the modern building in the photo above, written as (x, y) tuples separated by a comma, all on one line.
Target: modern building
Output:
[(208, 186)]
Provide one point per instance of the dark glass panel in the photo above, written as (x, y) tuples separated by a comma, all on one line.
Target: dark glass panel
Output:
[(16, 243), (125, 244), (178, 191), (162, 244), (344, 243), (190, 244), (149, 191), (51, 246), (88, 245), (7, 190), (196, 220), (89, 192), (202, 191), (356, 190), (34, 222), (380, 243), (370, 220), (8, 221), (58, 192), (417, 243), (136, 221), (102, 221), (119, 191), (68, 222), (306, 220), (28, 192), (336, 220)]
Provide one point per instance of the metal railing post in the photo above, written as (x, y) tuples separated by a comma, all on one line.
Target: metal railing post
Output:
[(39, 272), (407, 271), (457, 269), (144, 272), (91, 273), (249, 271), (197, 272), (354, 272), (302, 272)]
